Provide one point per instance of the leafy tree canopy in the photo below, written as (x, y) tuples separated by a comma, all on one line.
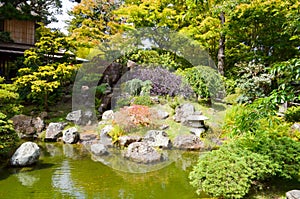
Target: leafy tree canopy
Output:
[(39, 10)]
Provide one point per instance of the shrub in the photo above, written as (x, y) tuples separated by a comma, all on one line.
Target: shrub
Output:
[(115, 133), (8, 136), (131, 118), (204, 80), (163, 82), (137, 87), (254, 82), (9, 103), (243, 119), (142, 100), (230, 171), (292, 114)]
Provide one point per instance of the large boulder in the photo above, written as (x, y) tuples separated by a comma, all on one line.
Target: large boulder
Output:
[(80, 117), (27, 154), (99, 149), (142, 153), (293, 194), (188, 142), (108, 115), (125, 140), (54, 131), (157, 138), (71, 136), (27, 126), (183, 111)]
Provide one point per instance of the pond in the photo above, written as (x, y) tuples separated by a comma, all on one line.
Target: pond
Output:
[(67, 171)]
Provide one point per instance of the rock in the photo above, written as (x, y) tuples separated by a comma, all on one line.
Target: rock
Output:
[(162, 114), (74, 116), (81, 118), (27, 126), (183, 111), (188, 142), (293, 194), (27, 154), (54, 131), (88, 138), (108, 115), (99, 149), (142, 153), (197, 131), (164, 127), (71, 136), (157, 138), (128, 139), (296, 127), (104, 137)]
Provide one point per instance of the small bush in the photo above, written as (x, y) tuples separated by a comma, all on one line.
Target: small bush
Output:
[(115, 133), (131, 118), (292, 114), (8, 136), (143, 100)]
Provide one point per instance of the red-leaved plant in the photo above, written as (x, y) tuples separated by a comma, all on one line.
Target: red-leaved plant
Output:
[(130, 118)]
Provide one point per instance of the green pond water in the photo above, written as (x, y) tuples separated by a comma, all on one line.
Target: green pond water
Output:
[(67, 171)]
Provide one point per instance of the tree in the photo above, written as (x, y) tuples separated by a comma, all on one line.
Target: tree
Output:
[(39, 10), (92, 22), (262, 31), (47, 67)]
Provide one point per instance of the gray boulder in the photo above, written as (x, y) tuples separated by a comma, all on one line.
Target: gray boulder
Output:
[(296, 127), (108, 115), (81, 118), (162, 114), (293, 194), (142, 153), (188, 142), (88, 139), (54, 131), (183, 111), (128, 139), (74, 116), (71, 136), (157, 138), (27, 154), (104, 137), (27, 126), (99, 149)]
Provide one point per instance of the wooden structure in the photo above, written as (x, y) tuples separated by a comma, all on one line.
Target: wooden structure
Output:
[(22, 34)]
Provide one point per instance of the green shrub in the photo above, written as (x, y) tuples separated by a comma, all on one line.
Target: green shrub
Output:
[(230, 171), (143, 100), (115, 133), (137, 87), (8, 136), (9, 103), (292, 114), (243, 119)]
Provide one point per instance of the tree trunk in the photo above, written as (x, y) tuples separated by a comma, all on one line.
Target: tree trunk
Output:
[(221, 51)]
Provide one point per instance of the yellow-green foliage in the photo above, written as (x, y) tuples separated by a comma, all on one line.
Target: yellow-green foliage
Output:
[(8, 136), (115, 133), (8, 98)]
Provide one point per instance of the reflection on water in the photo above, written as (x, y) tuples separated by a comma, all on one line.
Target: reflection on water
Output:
[(26, 179), (67, 171), (62, 180)]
